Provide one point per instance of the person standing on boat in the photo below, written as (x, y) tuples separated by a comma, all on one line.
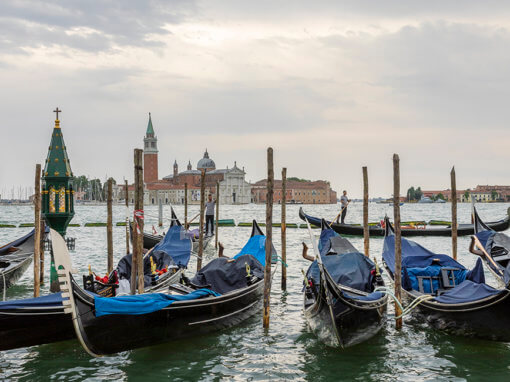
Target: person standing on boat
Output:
[(344, 201), (209, 216)]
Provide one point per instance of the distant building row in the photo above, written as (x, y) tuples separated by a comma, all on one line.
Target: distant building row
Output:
[(233, 187), (482, 193)]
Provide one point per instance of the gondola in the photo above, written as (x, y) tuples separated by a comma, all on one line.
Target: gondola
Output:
[(341, 304), (493, 247), (15, 258), (222, 294), (357, 230), (42, 320), (150, 240), (454, 298)]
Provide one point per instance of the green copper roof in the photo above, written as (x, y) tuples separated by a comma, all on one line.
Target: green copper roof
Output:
[(150, 129), (57, 163)]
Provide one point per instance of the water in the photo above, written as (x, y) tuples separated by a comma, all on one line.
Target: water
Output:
[(288, 350)]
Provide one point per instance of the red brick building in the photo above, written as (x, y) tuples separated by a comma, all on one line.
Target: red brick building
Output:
[(316, 192)]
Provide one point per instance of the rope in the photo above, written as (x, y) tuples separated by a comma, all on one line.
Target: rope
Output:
[(280, 259), (138, 215), (413, 305)]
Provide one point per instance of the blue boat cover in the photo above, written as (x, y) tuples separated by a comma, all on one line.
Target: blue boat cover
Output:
[(414, 255), (256, 247), (16, 242), (53, 299), (496, 244), (418, 261), (177, 244), (143, 303), (224, 275), (467, 291), (484, 237), (374, 296), (350, 269), (324, 240)]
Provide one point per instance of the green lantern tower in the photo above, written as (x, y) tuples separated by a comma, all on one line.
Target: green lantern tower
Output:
[(57, 183)]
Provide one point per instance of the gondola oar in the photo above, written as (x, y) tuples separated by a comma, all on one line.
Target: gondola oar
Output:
[(323, 281), (340, 213), (481, 248)]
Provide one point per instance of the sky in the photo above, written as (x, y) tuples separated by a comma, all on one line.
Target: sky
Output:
[(331, 86)]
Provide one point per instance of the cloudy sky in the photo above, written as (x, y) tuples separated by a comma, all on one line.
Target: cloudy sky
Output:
[(331, 86)]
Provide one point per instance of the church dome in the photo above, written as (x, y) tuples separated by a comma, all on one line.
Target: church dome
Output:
[(206, 163)]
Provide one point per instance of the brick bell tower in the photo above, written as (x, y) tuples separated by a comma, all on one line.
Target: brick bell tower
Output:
[(150, 154)]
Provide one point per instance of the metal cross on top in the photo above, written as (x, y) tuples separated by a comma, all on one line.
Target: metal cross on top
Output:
[(57, 111)]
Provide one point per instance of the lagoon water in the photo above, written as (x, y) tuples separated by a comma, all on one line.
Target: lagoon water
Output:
[(288, 351)]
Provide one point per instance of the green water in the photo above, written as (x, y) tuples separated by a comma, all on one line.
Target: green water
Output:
[(287, 351)]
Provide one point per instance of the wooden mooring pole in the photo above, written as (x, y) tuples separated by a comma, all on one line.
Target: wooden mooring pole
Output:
[(217, 215), (202, 208), (398, 241), (284, 228), (185, 205), (160, 212), (137, 263), (41, 250), (127, 216), (366, 232), (37, 225), (109, 226), (454, 213), (269, 236)]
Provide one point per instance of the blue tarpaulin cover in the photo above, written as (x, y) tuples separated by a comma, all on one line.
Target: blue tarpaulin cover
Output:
[(349, 269), (53, 299), (224, 275), (467, 291), (256, 247), (324, 240), (177, 244), (414, 255), (143, 303), (371, 297), (484, 237), (496, 244), (345, 266), (470, 285)]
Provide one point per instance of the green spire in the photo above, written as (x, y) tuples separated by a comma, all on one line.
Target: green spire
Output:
[(57, 161), (57, 183), (150, 129)]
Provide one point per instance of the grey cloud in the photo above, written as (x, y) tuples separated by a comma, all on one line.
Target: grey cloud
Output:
[(33, 23)]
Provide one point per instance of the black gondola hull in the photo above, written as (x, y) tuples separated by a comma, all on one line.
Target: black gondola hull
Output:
[(115, 333), (36, 326), (486, 319), (14, 264), (352, 325), (29, 327), (353, 230)]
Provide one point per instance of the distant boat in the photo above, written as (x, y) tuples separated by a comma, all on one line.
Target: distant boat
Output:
[(439, 200), (425, 199), (400, 204)]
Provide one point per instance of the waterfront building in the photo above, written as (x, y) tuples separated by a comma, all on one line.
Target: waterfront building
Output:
[(170, 190), (306, 192), (481, 193)]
